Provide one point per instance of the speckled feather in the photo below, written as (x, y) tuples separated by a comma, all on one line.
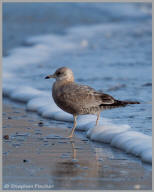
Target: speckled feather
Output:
[(81, 99)]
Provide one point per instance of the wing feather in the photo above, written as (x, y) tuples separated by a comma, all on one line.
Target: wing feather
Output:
[(84, 96)]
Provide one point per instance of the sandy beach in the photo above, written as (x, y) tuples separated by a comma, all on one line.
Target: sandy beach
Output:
[(37, 156)]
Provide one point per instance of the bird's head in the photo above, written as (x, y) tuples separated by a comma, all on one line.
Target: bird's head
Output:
[(62, 74)]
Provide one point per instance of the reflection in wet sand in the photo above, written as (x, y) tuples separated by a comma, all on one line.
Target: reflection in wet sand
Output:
[(104, 170), (75, 171), (73, 150)]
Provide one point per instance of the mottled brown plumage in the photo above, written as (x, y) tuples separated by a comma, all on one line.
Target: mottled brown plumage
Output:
[(80, 99)]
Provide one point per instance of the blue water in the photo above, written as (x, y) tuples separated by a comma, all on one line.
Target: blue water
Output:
[(111, 51)]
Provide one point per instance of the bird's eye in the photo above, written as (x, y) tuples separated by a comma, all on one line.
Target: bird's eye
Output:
[(58, 73)]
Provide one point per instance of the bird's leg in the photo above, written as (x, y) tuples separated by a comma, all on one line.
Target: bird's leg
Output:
[(74, 126), (98, 116)]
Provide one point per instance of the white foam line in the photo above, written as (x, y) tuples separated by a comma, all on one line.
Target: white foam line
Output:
[(122, 137)]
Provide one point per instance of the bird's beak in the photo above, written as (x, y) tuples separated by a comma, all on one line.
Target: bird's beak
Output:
[(50, 76)]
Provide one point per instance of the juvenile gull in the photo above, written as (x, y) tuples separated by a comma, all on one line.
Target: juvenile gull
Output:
[(80, 99)]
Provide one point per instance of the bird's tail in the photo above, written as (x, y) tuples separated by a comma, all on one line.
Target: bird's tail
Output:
[(118, 103), (121, 103)]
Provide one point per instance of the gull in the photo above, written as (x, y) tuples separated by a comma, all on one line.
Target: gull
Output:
[(80, 99)]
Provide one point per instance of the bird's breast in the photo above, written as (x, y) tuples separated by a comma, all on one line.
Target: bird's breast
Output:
[(62, 100)]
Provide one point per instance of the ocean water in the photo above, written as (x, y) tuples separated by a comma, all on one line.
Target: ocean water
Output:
[(110, 51)]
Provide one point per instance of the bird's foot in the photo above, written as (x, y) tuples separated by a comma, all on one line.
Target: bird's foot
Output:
[(69, 137)]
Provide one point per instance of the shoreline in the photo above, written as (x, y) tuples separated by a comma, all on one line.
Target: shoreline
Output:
[(60, 163)]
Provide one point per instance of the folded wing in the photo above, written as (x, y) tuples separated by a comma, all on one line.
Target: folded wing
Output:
[(85, 96)]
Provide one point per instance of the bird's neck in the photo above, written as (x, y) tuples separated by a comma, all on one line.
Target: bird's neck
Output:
[(60, 83), (64, 81)]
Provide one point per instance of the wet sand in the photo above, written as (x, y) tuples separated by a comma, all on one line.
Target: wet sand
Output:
[(31, 160)]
